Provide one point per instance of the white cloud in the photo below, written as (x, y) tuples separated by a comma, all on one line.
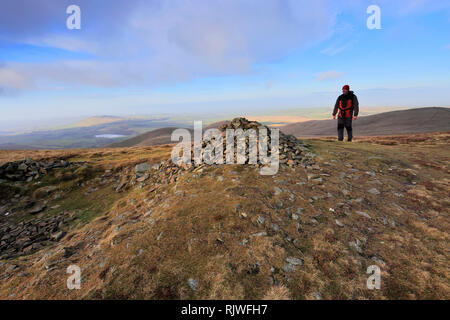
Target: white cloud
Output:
[(149, 42), (331, 51), (329, 75), (17, 77), (66, 42), (12, 80)]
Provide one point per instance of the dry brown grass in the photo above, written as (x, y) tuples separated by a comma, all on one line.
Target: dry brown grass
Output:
[(150, 242), (434, 138), (277, 293)]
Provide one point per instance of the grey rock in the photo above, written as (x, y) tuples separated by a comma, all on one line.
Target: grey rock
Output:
[(392, 222), (317, 295), (275, 227), (259, 234), (37, 209), (120, 186), (243, 242), (339, 223), (143, 178), (193, 283), (355, 245), (22, 167), (11, 267), (289, 267), (278, 191), (364, 214), (58, 235), (294, 261), (142, 167)]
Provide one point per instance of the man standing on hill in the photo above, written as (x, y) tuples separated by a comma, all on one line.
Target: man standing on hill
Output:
[(348, 106)]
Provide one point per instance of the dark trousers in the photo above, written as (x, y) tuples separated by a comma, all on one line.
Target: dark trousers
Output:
[(347, 123)]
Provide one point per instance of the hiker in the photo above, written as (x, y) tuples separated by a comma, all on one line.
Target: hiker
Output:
[(348, 106)]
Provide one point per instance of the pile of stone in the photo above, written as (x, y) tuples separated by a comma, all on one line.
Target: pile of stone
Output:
[(292, 153), (27, 237), (28, 169)]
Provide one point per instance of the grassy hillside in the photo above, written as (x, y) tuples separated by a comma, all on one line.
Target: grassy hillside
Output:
[(152, 138), (417, 120), (227, 232)]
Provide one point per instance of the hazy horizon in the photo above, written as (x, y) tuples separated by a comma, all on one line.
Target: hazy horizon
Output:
[(319, 113)]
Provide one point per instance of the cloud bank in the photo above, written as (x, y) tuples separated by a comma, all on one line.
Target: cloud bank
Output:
[(147, 42)]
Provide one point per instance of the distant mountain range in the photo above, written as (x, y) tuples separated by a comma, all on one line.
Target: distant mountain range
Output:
[(156, 137), (419, 120), (116, 132), (98, 120), (433, 119), (91, 133)]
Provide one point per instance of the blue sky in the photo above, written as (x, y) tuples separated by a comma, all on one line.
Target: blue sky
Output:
[(217, 56)]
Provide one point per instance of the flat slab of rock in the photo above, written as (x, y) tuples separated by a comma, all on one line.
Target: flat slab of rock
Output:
[(294, 261), (37, 209), (142, 167), (339, 223), (364, 214)]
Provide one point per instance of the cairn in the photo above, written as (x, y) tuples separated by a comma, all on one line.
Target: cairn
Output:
[(28, 169), (292, 153)]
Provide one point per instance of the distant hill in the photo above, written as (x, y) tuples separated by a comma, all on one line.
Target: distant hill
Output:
[(156, 137), (12, 146), (89, 136), (152, 138), (98, 120), (419, 120)]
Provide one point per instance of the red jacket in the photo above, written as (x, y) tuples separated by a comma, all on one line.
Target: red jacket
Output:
[(347, 105)]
